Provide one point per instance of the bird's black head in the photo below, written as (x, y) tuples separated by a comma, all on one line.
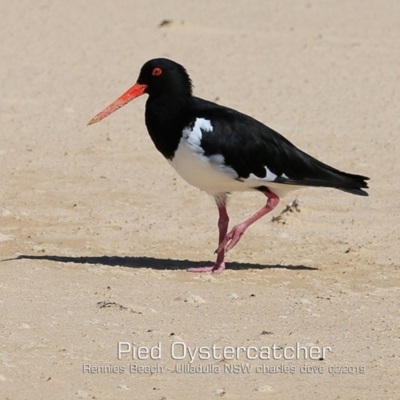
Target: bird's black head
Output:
[(161, 75), (158, 76)]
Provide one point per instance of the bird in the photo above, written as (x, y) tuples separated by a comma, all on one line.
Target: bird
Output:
[(220, 150)]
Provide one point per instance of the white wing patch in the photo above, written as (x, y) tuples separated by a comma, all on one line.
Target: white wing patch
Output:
[(270, 176), (194, 134)]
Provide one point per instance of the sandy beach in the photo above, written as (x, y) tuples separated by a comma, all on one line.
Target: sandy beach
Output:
[(97, 230)]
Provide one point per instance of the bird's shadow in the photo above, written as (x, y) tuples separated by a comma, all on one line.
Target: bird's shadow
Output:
[(155, 263)]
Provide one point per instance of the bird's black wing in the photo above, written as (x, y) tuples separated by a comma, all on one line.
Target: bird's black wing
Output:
[(248, 146)]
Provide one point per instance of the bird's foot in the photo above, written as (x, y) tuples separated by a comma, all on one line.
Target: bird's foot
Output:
[(231, 239), (217, 268)]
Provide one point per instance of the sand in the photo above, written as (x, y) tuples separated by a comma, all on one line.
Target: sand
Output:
[(96, 230)]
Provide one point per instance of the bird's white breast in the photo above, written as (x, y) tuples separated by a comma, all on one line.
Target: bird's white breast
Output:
[(208, 173)]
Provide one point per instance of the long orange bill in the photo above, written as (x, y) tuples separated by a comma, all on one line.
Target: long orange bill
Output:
[(135, 91)]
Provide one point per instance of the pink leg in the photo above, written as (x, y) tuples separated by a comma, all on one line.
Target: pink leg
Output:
[(233, 237), (219, 265)]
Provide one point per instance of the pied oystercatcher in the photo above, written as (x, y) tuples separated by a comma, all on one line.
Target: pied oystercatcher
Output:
[(220, 150)]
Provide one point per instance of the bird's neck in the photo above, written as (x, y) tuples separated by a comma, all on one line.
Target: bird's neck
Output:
[(166, 116)]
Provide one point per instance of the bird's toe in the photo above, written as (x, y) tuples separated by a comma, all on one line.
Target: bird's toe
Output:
[(231, 239), (215, 269)]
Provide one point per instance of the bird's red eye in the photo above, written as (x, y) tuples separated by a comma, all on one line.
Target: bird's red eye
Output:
[(157, 71)]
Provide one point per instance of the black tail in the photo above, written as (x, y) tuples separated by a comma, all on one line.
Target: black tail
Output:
[(332, 177), (315, 173), (354, 184)]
